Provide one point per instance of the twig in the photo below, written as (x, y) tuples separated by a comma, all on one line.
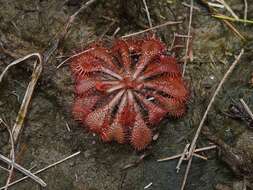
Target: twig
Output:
[(152, 28), (71, 57), (174, 39), (246, 107), (200, 156), (60, 37), (72, 17), (217, 5), (182, 157), (43, 169), (148, 186), (234, 30), (116, 31), (188, 39), (106, 30), (187, 172), (29, 91), (147, 12), (231, 68), (5, 169), (23, 170), (193, 143), (245, 10), (179, 155), (67, 126), (189, 6), (205, 148), (228, 8), (12, 153), (220, 16)]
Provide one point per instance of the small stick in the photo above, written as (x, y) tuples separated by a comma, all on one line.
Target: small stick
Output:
[(174, 39), (182, 36), (224, 17), (228, 8), (187, 172), (193, 143), (234, 30), (217, 5), (12, 153), (148, 186), (147, 12), (116, 31), (23, 170), (71, 57), (67, 126), (231, 68), (179, 155), (106, 30), (188, 39), (245, 10), (43, 169), (5, 169), (187, 5), (169, 158), (73, 16), (152, 28), (61, 36), (200, 156), (246, 107), (182, 157), (205, 148)]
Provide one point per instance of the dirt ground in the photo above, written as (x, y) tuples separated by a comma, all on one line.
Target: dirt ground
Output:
[(28, 26)]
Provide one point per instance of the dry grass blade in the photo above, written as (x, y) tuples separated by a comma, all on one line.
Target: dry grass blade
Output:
[(188, 39), (13, 164), (73, 57), (234, 30), (43, 169), (231, 68), (3, 168), (228, 8), (179, 155), (246, 107), (224, 17), (148, 186), (66, 28), (148, 14), (12, 153), (152, 28), (245, 10), (72, 17), (23, 170), (193, 143), (182, 157), (187, 172), (29, 91), (217, 5)]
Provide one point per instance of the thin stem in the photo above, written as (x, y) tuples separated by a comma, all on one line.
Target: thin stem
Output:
[(152, 28), (193, 143), (188, 39), (43, 169), (148, 15)]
